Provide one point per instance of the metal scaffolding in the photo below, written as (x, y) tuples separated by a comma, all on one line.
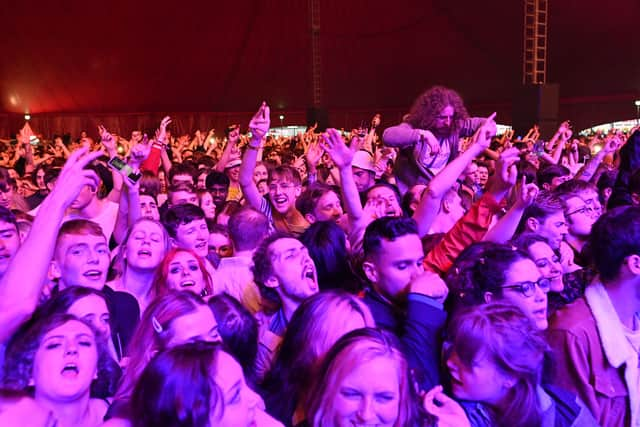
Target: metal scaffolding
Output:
[(316, 72), (534, 61)]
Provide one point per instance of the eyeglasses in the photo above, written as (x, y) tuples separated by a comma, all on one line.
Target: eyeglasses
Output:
[(529, 288), (583, 210)]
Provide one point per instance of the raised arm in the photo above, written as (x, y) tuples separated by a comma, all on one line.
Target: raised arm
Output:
[(342, 157), (21, 285), (427, 210), (589, 169), (259, 126), (232, 142)]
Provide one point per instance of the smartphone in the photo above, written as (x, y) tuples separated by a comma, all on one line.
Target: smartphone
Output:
[(538, 147), (122, 167)]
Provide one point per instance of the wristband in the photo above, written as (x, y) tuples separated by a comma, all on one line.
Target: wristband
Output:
[(252, 147)]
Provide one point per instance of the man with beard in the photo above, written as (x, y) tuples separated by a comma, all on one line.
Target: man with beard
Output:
[(428, 137)]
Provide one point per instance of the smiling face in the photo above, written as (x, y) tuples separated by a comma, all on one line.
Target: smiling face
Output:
[(65, 363), (240, 401), (81, 260), (207, 205), (145, 247), (368, 395), (283, 193), (548, 264), (184, 274)]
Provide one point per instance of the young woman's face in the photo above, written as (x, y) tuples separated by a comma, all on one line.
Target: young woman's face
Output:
[(207, 205), (481, 382), (65, 362), (220, 244), (239, 400), (184, 274), (146, 246), (93, 309), (535, 306), (548, 264), (368, 395), (199, 325)]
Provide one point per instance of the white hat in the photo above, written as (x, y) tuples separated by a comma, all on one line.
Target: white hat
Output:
[(363, 160), (233, 163)]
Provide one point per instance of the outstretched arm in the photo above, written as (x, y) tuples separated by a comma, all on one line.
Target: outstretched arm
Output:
[(259, 126), (30, 264), (427, 210)]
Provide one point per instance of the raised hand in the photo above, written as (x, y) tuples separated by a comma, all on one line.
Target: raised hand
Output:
[(485, 132), (314, 154), (73, 177), (526, 193), (161, 134), (108, 140), (259, 124), (140, 152), (334, 145), (24, 135), (506, 172)]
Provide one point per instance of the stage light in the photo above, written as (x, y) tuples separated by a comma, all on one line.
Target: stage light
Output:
[(282, 115)]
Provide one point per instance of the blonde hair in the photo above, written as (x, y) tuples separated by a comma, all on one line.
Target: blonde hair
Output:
[(356, 348)]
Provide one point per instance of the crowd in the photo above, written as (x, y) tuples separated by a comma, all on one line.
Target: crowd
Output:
[(433, 274)]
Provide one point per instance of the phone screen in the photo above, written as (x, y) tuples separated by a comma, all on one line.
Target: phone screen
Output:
[(122, 166)]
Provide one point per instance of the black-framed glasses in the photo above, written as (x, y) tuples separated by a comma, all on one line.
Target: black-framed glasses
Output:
[(583, 210), (529, 288)]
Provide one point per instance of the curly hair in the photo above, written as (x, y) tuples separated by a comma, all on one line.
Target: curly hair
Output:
[(22, 349), (430, 104)]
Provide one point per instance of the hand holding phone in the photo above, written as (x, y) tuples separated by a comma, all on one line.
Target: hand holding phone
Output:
[(126, 170)]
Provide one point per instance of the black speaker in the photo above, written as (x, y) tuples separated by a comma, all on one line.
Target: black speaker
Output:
[(536, 104), (318, 115)]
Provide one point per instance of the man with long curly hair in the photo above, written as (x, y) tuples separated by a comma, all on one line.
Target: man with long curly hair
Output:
[(428, 136)]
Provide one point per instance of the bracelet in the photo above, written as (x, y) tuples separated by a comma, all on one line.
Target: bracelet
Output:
[(252, 147)]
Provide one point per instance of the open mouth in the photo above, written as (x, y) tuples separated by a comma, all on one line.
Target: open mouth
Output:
[(93, 274), (70, 369), (144, 253), (187, 284), (541, 313)]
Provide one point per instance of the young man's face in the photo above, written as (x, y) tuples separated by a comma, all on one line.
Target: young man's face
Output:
[(293, 269), (86, 196), (219, 194), (328, 207), (283, 193), (553, 228), (81, 260), (182, 179), (9, 244), (194, 236), (444, 120), (363, 178), (397, 263), (579, 216)]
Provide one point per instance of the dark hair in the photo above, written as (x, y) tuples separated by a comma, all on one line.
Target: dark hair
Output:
[(527, 239), (308, 200), (386, 228), (177, 388), (262, 266), (287, 172), (247, 228), (546, 174), (327, 246), (481, 268), (7, 216), (429, 104), (615, 236), (216, 178), (149, 184), (184, 168), (22, 348), (179, 215), (391, 187), (545, 205), (238, 330)]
